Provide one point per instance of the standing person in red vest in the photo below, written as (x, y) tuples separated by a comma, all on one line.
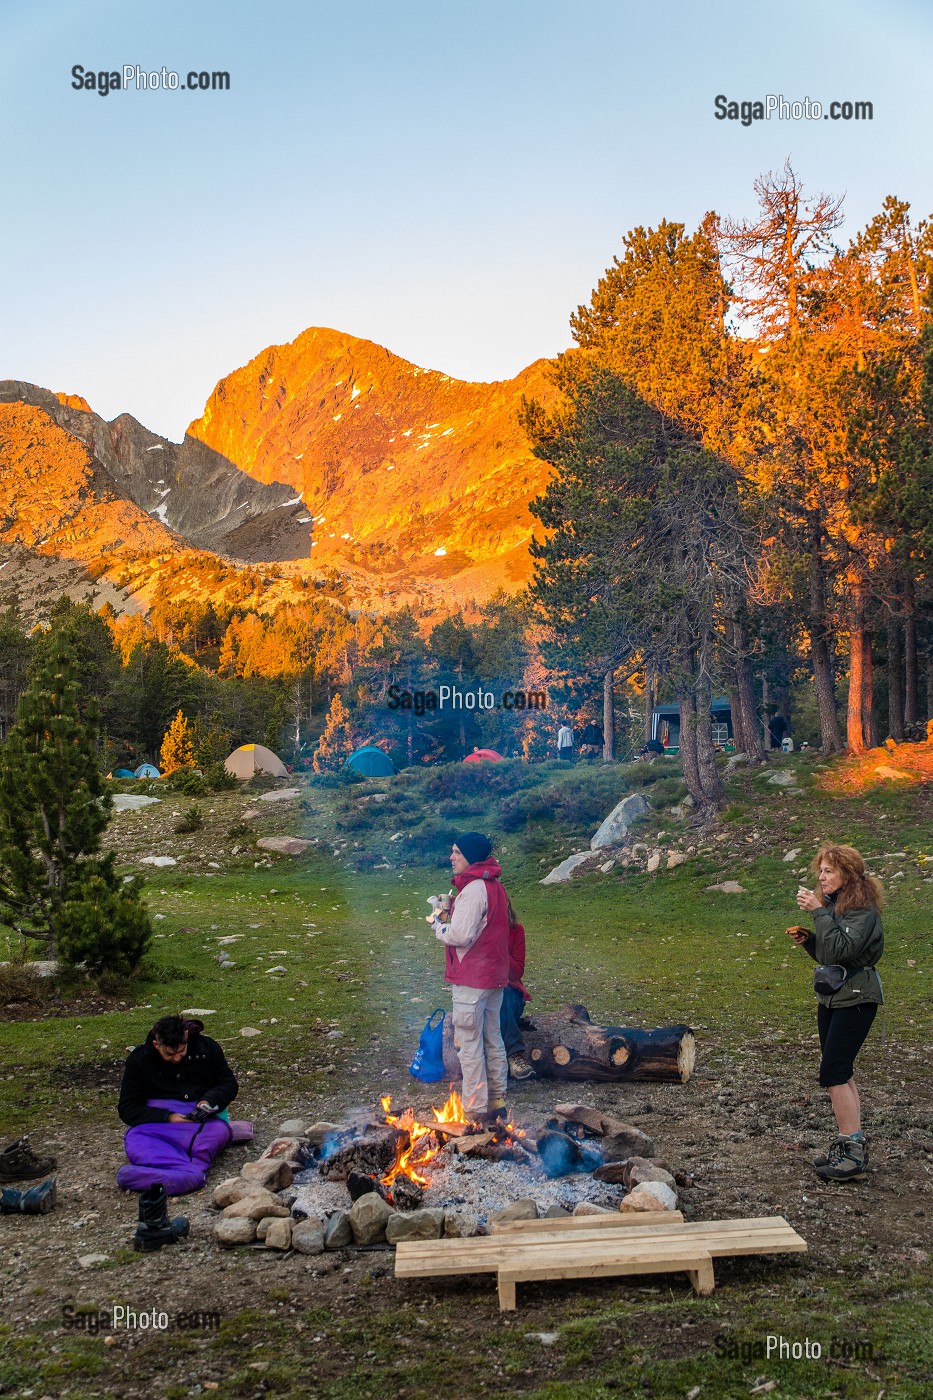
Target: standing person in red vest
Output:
[(477, 946)]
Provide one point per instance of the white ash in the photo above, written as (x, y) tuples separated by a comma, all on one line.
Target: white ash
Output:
[(480, 1185)]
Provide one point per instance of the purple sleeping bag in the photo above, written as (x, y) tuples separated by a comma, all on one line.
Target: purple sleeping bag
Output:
[(179, 1155)]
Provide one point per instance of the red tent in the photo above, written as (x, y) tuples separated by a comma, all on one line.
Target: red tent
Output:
[(483, 756)]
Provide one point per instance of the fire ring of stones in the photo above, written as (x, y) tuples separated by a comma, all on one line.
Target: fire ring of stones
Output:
[(378, 1179)]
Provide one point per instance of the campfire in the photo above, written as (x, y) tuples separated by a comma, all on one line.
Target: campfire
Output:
[(427, 1140)]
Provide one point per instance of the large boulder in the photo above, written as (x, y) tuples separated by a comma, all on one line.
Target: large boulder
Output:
[(337, 1231), (616, 826)]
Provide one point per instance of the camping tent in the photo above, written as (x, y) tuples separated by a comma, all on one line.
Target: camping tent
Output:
[(371, 762), (249, 759), (123, 773), (148, 770), (483, 756)]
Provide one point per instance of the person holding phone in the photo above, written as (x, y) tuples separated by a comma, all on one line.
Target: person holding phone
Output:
[(848, 941)]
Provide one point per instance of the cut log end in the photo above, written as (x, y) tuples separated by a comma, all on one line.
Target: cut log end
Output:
[(561, 1055), (537, 1054), (686, 1056)]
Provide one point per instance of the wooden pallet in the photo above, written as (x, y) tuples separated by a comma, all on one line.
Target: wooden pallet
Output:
[(597, 1247)]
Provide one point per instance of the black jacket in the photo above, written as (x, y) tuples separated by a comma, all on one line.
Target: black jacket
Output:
[(202, 1074)]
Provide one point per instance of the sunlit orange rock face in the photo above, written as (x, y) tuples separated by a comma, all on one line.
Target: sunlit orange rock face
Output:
[(401, 467), (55, 498)]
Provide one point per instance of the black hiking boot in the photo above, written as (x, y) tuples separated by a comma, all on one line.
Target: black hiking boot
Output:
[(846, 1161), (35, 1200), (18, 1162), (154, 1228)]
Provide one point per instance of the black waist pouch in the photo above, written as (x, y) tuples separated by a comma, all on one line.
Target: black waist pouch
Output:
[(829, 979)]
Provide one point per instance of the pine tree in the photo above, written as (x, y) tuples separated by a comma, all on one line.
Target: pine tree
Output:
[(54, 807), (336, 743), (178, 745)]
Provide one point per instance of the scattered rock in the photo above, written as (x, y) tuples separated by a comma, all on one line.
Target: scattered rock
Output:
[(274, 1173), (249, 1030), (369, 1217), (278, 1234), (630, 1143), (676, 858), (727, 887), (884, 770), (129, 802), (654, 862), (282, 795), (556, 1213), (782, 778), (158, 860), (231, 1232), (792, 855), (337, 1231), (90, 1261), (285, 1149), (462, 1224), (308, 1236), (639, 1169), (591, 1208), (562, 873), (607, 866), (284, 845), (650, 1195), (417, 1225), (615, 828)]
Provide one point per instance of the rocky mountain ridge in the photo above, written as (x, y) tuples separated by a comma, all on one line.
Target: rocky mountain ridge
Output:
[(415, 485)]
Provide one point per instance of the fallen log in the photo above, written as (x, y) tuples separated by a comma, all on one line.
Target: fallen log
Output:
[(566, 1044)]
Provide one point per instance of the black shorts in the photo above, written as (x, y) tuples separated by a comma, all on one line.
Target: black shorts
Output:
[(842, 1033)]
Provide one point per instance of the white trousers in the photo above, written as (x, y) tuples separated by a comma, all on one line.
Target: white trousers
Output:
[(480, 1047)]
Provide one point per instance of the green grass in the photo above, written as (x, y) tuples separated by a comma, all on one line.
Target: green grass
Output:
[(363, 972)]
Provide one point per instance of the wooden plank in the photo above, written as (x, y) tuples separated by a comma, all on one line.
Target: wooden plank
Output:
[(762, 1236), (626, 1219), (486, 1255)]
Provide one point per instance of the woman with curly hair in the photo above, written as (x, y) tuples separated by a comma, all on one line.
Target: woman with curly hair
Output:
[(848, 941)]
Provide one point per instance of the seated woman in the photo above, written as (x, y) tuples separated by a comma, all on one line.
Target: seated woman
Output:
[(174, 1096)]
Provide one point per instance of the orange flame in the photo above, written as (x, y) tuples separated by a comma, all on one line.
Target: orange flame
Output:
[(411, 1158)]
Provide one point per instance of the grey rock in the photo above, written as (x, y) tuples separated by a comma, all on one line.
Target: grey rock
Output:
[(337, 1231), (591, 1208), (792, 855), (274, 1173), (415, 1225), (369, 1217), (462, 1224), (308, 1236), (726, 887), (524, 1209), (556, 1213), (284, 845), (615, 828), (562, 873), (782, 778), (291, 1128), (90, 1261), (631, 1142), (231, 1232)]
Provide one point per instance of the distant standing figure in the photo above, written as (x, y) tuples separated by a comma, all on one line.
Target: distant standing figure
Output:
[(777, 728), (565, 743), (848, 942)]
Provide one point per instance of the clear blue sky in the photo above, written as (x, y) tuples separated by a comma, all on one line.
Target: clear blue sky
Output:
[(446, 179)]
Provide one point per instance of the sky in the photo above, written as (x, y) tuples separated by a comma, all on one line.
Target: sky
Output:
[(447, 179)]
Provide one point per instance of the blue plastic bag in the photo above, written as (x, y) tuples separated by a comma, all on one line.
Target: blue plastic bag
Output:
[(428, 1064)]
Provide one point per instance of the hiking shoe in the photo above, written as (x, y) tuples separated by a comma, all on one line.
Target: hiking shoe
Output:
[(35, 1200), (519, 1068), (846, 1161), (822, 1159), (18, 1162)]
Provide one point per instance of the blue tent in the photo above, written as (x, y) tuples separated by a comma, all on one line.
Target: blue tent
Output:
[(148, 770), (371, 762), (123, 773)]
